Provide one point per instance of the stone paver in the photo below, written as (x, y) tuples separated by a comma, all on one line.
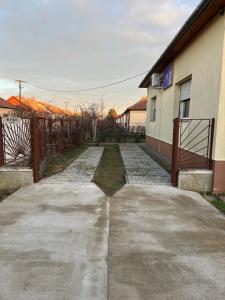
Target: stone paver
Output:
[(165, 244), (81, 170), (141, 168)]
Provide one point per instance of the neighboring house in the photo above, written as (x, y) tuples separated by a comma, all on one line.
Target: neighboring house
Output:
[(134, 116), (6, 109), (40, 108), (188, 81)]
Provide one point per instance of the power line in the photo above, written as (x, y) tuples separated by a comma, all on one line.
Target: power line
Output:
[(88, 89)]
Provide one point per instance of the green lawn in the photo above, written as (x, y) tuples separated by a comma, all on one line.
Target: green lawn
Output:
[(110, 174), (60, 161), (215, 201), (219, 204)]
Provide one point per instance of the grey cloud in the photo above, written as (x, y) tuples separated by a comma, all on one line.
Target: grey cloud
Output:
[(81, 43)]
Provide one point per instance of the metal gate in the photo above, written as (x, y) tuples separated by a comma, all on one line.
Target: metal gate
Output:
[(23, 143), (28, 141), (15, 142), (192, 145)]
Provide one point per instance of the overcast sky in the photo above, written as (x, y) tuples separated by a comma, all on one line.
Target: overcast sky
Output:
[(78, 44)]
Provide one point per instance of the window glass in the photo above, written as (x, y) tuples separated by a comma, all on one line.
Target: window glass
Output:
[(185, 97), (153, 110)]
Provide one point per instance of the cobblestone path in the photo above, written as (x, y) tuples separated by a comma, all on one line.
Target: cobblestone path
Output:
[(81, 170), (141, 168)]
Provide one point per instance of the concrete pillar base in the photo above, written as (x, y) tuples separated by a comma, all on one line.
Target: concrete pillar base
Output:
[(13, 177), (195, 180)]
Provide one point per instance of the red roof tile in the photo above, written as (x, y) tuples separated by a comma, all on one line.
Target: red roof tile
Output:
[(29, 104), (5, 104), (140, 105), (13, 100)]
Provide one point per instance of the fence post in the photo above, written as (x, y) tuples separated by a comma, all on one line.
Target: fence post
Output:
[(175, 151), (1, 144), (211, 142), (35, 148), (62, 141), (49, 126)]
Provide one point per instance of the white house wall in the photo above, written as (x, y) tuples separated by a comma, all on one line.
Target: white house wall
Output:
[(201, 60), (138, 118)]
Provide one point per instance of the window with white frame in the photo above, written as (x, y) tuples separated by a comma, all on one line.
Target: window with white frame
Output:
[(185, 97), (153, 110)]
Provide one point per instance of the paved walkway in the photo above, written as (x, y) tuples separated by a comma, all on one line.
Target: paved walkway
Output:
[(141, 168), (82, 169)]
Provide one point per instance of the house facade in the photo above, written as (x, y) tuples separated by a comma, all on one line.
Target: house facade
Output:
[(6, 109), (188, 81), (134, 117), (31, 105)]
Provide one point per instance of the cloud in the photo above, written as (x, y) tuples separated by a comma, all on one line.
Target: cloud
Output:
[(74, 44), (162, 13)]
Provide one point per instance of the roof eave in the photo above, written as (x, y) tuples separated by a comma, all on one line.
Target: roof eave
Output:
[(166, 57)]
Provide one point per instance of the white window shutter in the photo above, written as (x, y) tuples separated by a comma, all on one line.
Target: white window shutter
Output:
[(185, 90)]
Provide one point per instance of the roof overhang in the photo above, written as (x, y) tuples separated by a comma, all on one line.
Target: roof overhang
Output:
[(204, 12)]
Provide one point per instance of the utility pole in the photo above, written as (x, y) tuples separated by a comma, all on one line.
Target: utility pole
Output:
[(19, 81), (102, 107), (75, 109), (66, 103)]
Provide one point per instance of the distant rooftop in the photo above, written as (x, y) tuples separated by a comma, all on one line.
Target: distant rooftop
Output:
[(5, 104), (140, 105)]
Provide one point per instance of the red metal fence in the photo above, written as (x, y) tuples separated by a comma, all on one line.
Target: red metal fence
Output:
[(192, 145), (29, 141)]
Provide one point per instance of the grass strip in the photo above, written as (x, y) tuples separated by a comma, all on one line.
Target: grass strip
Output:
[(61, 161), (110, 174), (219, 204), (215, 201)]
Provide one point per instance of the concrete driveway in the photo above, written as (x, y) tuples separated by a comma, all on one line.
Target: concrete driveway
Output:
[(165, 244), (62, 239), (54, 243)]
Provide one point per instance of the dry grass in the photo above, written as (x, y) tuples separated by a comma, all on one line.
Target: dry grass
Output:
[(61, 161)]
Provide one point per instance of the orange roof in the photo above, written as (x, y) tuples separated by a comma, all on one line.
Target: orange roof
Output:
[(13, 100), (5, 104), (32, 104), (52, 108)]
